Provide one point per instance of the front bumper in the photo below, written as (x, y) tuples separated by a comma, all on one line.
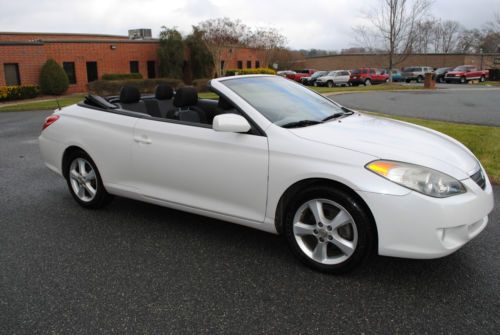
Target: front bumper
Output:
[(418, 226)]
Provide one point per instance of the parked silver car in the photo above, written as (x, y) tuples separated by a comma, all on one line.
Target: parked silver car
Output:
[(334, 78), (416, 73)]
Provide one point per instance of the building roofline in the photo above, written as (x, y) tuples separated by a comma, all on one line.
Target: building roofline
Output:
[(64, 34), (412, 54)]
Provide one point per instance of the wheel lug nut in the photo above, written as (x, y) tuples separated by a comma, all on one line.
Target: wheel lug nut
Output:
[(315, 231), (321, 239), (320, 224), (329, 228), (330, 238)]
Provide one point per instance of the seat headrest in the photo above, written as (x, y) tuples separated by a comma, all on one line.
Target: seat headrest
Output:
[(130, 94), (185, 96), (224, 104), (164, 92)]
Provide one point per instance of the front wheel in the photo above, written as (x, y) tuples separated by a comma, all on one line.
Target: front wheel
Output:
[(330, 84), (482, 79), (462, 80), (368, 82), (329, 229), (420, 79), (84, 181)]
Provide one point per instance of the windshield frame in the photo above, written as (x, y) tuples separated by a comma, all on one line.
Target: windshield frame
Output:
[(327, 107)]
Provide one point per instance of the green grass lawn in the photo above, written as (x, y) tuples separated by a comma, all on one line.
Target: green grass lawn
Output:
[(43, 104), (483, 141), (490, 83)]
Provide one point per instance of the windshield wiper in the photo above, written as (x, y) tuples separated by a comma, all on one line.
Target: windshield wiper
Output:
[(345, 112), (301, 123)]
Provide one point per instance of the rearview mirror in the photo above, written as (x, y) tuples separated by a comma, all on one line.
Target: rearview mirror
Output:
[(232, 123)]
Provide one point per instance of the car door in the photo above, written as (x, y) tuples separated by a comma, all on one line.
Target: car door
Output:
[(195, 166)]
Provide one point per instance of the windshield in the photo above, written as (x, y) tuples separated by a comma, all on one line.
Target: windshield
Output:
[(461, 68), (318, 74), (283, 101), (412, 69)]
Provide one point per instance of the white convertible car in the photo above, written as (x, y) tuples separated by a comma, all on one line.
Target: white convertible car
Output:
[(272, 155)]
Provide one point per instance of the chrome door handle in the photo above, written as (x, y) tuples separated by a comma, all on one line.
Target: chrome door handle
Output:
[(142, 139)]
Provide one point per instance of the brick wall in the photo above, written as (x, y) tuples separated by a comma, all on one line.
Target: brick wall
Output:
[(352, 61)]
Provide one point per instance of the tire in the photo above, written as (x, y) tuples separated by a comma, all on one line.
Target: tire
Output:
[(407, 81), (368, 82), (354, 84), (330, 83), (84, 181), (482, 79), (463, 80), (420, 79), (315, 243)]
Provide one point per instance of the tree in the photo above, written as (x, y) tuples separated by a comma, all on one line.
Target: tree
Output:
[(171, 53), (269, 40), (394, 27), (202, 63), (219, 35), (53, 78), (446, 36)]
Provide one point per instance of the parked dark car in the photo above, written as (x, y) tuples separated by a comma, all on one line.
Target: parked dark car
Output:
[(441, 73), (312, 79)]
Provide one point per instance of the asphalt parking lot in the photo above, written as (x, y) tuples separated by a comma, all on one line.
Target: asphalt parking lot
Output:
[(455, 103), (138, 268)]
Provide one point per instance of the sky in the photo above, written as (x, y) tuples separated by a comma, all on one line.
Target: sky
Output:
[(320, 24)]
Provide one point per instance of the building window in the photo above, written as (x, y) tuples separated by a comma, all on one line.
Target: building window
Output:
[(134, 66), (257, 64), (92, 74), (12, 74), (151, 69), (69, 68), (249, 64), (240, 64), (221, 66)]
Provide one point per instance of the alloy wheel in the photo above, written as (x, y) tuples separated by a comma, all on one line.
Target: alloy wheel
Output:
[(325, 231), (83, 179)]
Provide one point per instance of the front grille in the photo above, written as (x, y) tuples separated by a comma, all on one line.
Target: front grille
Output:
[(479, 178)]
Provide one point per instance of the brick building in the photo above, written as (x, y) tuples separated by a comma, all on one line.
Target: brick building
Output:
[(86, 57)]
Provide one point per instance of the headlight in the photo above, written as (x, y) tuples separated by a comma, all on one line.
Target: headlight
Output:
[(418, 178)]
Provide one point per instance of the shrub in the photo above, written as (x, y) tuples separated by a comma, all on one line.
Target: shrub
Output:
[(201, 84), (18, 92), (53, 79), (260, 70), (121, 76), (112, 87)]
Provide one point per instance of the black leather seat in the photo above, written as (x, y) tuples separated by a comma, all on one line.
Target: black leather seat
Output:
[(164, 95), (185, 108), (130, 99)]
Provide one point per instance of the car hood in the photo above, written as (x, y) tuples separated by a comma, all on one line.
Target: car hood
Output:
[(394, 140)]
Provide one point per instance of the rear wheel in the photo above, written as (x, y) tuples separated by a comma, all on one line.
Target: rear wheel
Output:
[(462, 80), (328, 229), (84, 181), (482, 79), (330, 83), (420, 79)]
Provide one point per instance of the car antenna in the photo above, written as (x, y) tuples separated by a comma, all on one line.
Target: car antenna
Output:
[(58, 105)]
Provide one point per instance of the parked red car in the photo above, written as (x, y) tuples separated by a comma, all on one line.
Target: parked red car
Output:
[(464, 73), (368, 76), (299, 74)]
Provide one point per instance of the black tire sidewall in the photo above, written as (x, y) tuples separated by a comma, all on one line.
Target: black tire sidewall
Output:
[(363, 221), (102, 197)]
